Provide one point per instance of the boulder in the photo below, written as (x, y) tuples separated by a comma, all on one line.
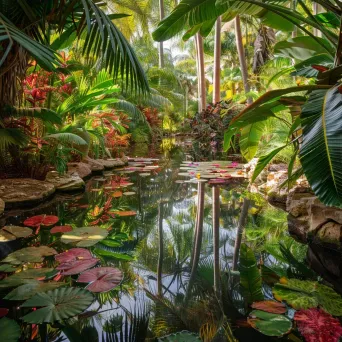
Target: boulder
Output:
[(94, 165), (68, 182), (83, 169), (18, 192), (111, 163), (2, 206)]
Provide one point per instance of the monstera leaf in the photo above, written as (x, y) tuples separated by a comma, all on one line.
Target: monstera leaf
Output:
[(57, 305), (85, 237), (318, 325), (321, 150), (29, 254), (301, 294), (10, 233), (182, 336), (269, 324), (250, 278), (9, 330), (27, 291)]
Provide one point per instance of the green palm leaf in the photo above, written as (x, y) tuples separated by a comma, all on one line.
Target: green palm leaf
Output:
[(321, 150), (12, 136), (69, 138)]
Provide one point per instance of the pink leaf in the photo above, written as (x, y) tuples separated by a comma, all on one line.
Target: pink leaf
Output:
[(318, 326), (45, 220), (73, 254), (77, 266), (60, 229), (101, 279)]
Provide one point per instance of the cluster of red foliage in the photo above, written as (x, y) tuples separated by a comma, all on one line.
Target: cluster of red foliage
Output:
[(152, 118)]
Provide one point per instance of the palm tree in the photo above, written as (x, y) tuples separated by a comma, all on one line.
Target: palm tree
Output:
[(161, 44), (200, 73), (217, 62)]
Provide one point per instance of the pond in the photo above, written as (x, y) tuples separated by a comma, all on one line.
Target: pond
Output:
[(149, 273)]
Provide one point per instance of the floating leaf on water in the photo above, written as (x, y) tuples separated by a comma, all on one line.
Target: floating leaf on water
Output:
[(8, 268), (144, 174), (29, 254), (101, 279), (318, 325), (9, 330), (41, 220), (9, 233), (3, 312), (270, 306), (182, 336), (26, 291), (30, 275), (269, 324), (73, 254), (96, 190), (305, 294), (117, 194), (60, 229), (124, 213), (57, 305), (77, 266), (85, 237), (129, 193)]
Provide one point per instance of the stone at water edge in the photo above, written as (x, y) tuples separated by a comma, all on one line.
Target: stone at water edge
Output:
[(18, 192), (110, 163), (67, 182), (83, 169), (93, 164), (2, 206)]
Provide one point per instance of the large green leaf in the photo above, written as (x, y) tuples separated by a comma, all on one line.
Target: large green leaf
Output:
[(250, 138), (304, 294), (29, 254), (250, 278), (300, 48), (57, 305), (85, 237), (9, 330), (191, 12), (321, 150), (305, 68), (269, 324)]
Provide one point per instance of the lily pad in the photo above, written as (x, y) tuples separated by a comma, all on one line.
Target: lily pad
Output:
[(73, 254), (57, 305), (304, 294), (9, 330), (129, 193), (101, 279), (41, 220), (270, 306), (85, 237), (26, 291), (318, 325), (29, 254), (28, 276), (9, 233), (77, 266), (60, 229), (182, 336), (117, 194), (269, 324), (7, 268), (3, 312)]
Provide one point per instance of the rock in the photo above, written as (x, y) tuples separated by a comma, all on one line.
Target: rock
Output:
[(277, 198), (68, 182), (2, 206), (24, 191), (111, 163), (278, 167), (94, 165), (82, 169), (330, 233), (124, 159)]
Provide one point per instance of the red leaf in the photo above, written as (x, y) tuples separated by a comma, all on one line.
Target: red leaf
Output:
[(45, 220), (60, 229), (101, 279), (77, 266), (318, 326), (73, 254), (3, 312), (270, 306), (320, 68)]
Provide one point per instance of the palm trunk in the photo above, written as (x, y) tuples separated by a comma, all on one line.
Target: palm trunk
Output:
[(295, 29), (240, 230), (161, 44), (338, 56), (217, 63), (201, 73), (242, 58), (216, 237), (161, 250)]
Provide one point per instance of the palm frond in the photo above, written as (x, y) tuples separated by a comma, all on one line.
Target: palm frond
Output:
[(67, 138), (12, 136)]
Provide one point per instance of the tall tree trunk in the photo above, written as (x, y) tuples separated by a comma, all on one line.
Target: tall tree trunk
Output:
[(161, 44), (217, 62), (240, 230), (161, 249), (242, 58), (201, 73), (295, 29), (216, 238)]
